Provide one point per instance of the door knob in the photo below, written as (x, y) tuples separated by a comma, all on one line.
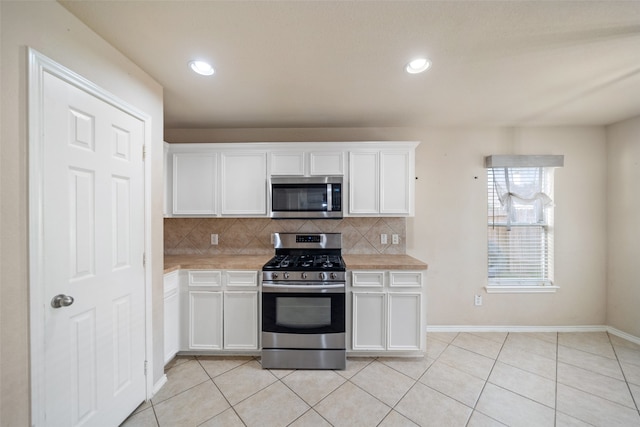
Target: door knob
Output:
[(61, 301)]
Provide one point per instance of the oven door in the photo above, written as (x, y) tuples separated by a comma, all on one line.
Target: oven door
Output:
[(303, 309)]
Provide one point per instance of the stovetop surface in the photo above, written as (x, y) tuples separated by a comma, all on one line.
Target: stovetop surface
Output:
[(305, 262)]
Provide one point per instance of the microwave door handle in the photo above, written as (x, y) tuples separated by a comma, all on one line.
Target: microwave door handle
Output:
[(329, 198)]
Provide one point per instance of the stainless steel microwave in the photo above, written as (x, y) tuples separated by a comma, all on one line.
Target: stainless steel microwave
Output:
[(313, 197)]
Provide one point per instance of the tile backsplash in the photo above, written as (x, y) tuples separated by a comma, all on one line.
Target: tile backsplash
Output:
[(252, 236)]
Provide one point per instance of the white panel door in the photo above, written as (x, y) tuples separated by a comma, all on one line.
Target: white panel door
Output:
[(363, 183), (241, 320), (195, 183), (205, 320), (404, 321), (369, 321), (244, 183), (395, 195), (93, 243)]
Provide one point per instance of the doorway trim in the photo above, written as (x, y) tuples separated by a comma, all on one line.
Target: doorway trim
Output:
[(38, 65)]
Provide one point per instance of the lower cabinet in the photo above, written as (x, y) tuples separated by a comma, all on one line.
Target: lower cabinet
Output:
[(387, 311), (240, 320), (205, 320), (221, 310), (171, 315)]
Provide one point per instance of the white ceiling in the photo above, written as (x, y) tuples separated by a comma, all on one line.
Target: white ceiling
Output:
[(340, 63)]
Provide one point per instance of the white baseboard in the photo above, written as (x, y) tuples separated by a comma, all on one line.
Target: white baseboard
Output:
[(158, 385), (500, 328), (623, 335), (580, 328)]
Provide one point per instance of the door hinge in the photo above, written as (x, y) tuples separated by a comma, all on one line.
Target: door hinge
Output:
[(145, 367), (144, 259), (144, 152)]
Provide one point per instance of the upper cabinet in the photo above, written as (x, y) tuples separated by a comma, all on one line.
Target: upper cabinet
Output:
[(214, 181), (232, 179), (244, 183), (307, 163), (381, 181), (195, 184)]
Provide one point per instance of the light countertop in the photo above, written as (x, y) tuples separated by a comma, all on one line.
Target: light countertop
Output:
[(255, 262)]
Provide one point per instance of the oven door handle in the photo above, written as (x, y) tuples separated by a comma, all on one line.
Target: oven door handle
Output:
[(299, 288)]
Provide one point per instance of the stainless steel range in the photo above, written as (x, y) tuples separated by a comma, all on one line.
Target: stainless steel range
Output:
[(303, 303)]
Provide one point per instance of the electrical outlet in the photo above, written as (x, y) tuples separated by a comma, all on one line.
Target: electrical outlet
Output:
[(214, 239), (478, 300), (395, 239), (383, 239)]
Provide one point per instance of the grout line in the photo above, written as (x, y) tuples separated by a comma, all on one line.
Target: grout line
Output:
[(486, 381), (633, 399)]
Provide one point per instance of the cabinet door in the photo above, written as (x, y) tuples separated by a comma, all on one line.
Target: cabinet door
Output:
[(368, 321), (205, 320), (171, 326), (363, 183), (244, 183), (287, 163), (404, 327), (241, 320), (194, 183), (326, 163), (171, 315), (395, 183)]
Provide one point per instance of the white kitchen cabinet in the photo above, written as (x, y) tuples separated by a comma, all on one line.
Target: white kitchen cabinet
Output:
[(387, 311), (171, 315), (205, 320), (396, 182), (240, 320), (369, 329), (244, 183), (230, 179), (221, 311), (364, 183), (381, 182), (307, 163), (195, 184), (287, 163), (404, 321)]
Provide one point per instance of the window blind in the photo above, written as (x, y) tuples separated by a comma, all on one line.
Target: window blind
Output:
[(520, 225)]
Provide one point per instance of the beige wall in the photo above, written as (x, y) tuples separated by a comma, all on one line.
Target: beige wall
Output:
[(449, 229), (623, 296), (50, 29)]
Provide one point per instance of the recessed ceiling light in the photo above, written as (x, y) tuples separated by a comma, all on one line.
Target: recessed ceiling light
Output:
[(417, 66), (201, 67)]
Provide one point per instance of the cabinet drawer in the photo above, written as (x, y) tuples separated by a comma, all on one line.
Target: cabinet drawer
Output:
[(367, 278), (242, 278), (411, 279), (205, 278)]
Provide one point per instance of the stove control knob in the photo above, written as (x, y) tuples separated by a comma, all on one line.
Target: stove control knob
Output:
[(333, 276), (304, 275), (274, 275), (286, 275), (322, 276)]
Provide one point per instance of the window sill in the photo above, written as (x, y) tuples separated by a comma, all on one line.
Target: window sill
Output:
[(521, 289)]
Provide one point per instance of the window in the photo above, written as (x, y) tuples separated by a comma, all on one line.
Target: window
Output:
[(520, 224)]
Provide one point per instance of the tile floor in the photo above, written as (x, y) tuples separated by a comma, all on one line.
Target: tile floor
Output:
[(466, 379)]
